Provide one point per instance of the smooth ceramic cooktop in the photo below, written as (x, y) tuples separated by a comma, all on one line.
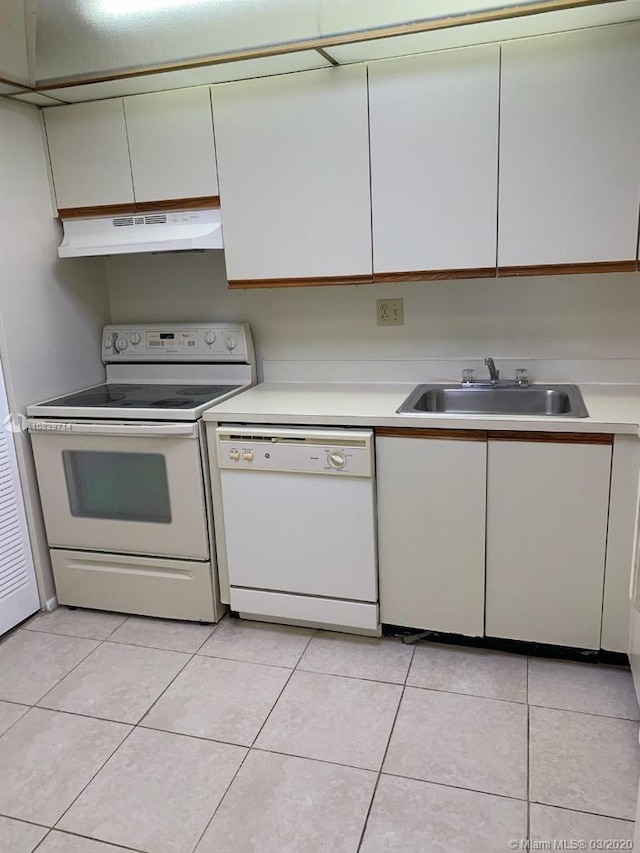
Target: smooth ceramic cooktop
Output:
[(143, 396)]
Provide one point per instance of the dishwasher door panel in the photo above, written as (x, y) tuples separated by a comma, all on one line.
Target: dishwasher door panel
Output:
[(310, 534)]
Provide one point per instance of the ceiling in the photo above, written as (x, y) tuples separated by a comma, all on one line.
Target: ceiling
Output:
[(54, 51)]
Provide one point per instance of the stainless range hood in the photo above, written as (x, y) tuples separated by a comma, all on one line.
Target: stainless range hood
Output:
[(177, 231)]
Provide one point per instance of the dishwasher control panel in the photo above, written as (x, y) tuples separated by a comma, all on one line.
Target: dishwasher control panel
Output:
[(338, 452)]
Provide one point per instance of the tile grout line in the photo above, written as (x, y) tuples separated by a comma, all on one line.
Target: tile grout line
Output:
[(66, 675), (108, 638), (84, 788), (585, 713), (15, 722), (124, 622), (379, 774), (133, 728), (68, 636), (247, 753), (164, 690), (117, 847), (458, 787), (226, 791), (314, 633), (581, 811), (42, 840)]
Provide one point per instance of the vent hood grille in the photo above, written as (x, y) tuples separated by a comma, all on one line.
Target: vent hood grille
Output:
[(151, 219), (154, 232)]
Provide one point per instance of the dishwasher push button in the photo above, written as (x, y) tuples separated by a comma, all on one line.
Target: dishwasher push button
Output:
[(248, 455), (234, 455)]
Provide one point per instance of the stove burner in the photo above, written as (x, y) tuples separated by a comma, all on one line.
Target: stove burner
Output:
[(125, 389), (98, 398), (173, 403), (199, 389)]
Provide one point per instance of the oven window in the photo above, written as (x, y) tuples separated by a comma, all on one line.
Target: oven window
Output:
[(121, 486)]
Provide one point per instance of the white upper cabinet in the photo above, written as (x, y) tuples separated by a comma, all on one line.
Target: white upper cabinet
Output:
[(89, 154), (171, 144), (434, 160), (569, 148), (293, 167)]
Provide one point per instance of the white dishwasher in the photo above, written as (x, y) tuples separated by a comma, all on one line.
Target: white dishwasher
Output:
[(299, 524)]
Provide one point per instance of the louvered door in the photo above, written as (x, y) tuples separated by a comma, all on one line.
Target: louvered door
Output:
[(18, 590)]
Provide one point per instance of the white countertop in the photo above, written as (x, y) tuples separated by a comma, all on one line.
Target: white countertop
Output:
[(612, 408)]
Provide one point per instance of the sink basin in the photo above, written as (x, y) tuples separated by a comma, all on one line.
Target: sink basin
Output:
[(546, 400)]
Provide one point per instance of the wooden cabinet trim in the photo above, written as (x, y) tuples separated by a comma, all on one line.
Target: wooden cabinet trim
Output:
[(419, 432), (551, 437), (96, 210), (254, 283), (200, 203), (435, 275), (568, 269), (495, 435)]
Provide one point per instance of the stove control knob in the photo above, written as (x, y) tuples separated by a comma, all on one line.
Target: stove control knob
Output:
[(336, 460), (209, 338), (121, 344), (135, 338), (231, 343), (108, 343)]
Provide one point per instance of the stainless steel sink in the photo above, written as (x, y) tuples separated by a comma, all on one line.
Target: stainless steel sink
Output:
[(509, 399)]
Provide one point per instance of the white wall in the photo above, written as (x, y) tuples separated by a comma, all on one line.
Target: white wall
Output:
[(51, 311), (558, 318)]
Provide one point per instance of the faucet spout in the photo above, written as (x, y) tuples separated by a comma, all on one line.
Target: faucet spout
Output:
[(494, 374)]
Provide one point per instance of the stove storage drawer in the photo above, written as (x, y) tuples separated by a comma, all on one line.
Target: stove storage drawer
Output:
[(171, 589)]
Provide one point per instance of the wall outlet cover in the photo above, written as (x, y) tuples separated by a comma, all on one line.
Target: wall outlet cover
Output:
[(390, 312)]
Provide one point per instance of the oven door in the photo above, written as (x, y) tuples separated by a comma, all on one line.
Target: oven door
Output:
[(128, 488)]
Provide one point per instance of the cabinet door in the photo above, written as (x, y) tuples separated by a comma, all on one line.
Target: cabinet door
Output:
[(434, 160), (569, 159), (171, 143), (293, 167), (431, 533), (547, 508), (621, 535), (89, 154)]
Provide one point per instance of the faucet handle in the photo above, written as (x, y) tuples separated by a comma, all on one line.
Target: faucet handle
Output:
[(468, 376), (522, 376)]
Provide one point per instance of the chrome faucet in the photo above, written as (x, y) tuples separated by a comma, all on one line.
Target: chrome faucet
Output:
[(521, 379), (494, 374)]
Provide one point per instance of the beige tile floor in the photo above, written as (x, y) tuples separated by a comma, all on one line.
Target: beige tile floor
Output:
[(125, 734)]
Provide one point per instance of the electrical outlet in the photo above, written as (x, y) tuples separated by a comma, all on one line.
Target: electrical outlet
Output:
[(390, 312)]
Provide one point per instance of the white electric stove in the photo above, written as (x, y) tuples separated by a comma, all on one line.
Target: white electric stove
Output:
[(121, 469)]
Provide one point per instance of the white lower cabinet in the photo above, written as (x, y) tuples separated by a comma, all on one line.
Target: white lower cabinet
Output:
[(547, 512), (431, 530), (528, 510)]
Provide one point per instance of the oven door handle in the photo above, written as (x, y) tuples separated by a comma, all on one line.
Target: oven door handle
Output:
[(41, 427)]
